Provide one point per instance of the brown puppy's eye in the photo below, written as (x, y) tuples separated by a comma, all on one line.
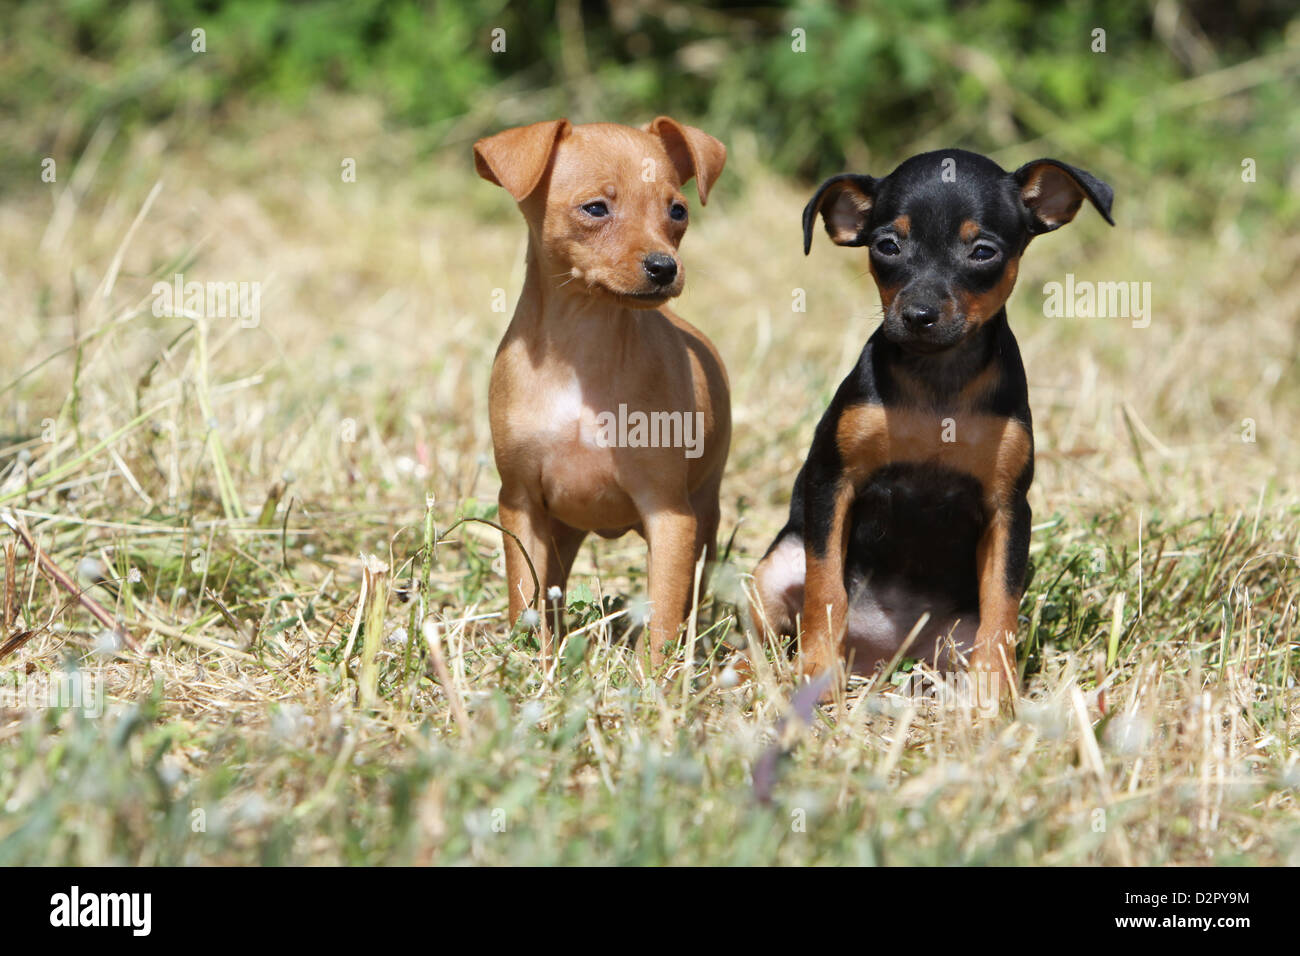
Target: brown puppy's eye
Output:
[(888, 247), (983, 252), (677, 212), (597, 210)]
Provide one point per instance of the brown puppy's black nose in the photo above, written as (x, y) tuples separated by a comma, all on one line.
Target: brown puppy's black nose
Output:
[(920, 316), (661, 268)]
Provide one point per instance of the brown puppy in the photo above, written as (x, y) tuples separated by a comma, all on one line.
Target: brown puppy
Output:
[(609, 413)]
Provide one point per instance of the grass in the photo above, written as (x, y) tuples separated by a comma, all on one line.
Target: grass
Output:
[(324, 674)]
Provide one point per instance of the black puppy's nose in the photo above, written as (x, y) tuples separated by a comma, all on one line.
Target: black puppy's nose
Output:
[(920, 316), (660, 267)]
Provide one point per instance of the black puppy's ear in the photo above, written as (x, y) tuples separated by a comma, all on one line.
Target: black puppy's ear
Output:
[(1053, 192), (844, 202)]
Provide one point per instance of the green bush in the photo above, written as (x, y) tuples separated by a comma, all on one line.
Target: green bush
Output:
[(877, 79)]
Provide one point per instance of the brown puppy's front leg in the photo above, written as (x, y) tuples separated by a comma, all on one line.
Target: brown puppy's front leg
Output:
[(528, 522), (708, 514), (563, 543), (671, 534)]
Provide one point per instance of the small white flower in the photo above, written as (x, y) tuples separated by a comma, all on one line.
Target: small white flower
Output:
[(729, 678), (288, 721), (1291, 776), (478, 823), (727, 585), (530, 618), (808, 801), (107, 643), (532, 711), (374, 564), (554, 593), (252, 809), (134, 576), (1128, 733), (90, 568), (1046, 716), (638, 612)]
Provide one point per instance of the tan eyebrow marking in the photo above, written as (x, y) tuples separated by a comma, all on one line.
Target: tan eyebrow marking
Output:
[(969, 230), (903, 226)]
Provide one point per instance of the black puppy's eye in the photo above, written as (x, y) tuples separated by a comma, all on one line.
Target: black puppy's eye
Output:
[(984, 252), (596, 210), (677, 212), (888, 247)]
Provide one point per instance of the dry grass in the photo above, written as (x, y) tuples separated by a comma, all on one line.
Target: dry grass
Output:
[(227, 484)]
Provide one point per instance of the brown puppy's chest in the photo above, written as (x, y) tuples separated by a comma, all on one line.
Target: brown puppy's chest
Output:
[(587, 445)]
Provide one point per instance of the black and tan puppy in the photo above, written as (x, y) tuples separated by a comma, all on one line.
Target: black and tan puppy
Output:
[(912, 500)]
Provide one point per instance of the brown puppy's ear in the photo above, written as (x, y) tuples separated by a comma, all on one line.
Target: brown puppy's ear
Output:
[(693, 152), (516, 158), (844, 202), (1053, 192)]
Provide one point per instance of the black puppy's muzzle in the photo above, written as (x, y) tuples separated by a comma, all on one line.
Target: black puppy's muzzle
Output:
[(920, 317), (925, 316)]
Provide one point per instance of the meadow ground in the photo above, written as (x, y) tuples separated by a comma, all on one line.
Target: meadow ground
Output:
[(257, 504)]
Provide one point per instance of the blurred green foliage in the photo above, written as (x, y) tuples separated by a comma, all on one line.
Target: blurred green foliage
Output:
[(1182, 91)]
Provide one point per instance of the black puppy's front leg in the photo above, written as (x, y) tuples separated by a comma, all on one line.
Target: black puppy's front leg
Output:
[(851, 443), (1001, 562)]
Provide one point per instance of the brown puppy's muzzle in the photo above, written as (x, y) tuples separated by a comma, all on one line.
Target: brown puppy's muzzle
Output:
[(661, 269), (661, 278)]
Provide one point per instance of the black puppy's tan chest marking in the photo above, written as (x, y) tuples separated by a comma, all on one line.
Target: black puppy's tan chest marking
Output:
[(994, 449)]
